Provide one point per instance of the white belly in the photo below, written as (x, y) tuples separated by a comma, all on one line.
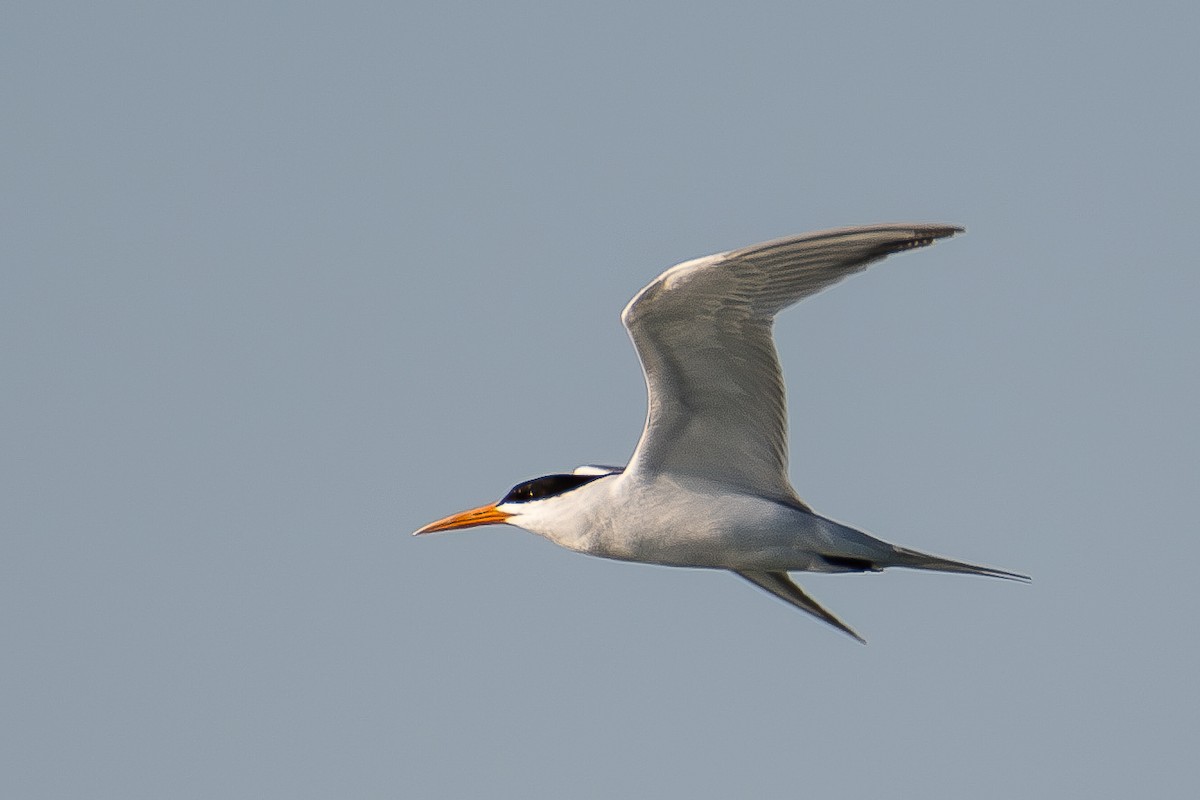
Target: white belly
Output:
[(665, 521)]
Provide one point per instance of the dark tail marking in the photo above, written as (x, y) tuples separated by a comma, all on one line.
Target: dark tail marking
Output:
[(852, 564)]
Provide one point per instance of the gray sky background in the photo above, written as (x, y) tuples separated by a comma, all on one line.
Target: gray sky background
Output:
[(283, 282)]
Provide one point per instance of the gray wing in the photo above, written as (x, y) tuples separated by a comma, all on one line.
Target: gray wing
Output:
[(783, 587), (702, 330)]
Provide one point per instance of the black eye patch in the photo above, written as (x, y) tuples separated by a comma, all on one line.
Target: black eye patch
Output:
[(546, 486)]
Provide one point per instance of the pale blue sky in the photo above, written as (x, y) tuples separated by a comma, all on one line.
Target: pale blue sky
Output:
[(283, 282)]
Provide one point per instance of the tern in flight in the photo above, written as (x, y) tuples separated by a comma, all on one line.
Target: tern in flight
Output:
[(707, 485)]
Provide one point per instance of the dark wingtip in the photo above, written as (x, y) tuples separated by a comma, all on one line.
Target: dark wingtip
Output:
[(922, 236), (940, 231)]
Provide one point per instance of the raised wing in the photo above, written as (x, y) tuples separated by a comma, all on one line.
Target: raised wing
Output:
[(703, 332)]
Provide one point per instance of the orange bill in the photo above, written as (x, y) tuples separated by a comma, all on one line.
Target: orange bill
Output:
[(484, 515)]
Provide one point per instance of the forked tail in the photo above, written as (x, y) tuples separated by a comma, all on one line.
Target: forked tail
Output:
[(917, 560)]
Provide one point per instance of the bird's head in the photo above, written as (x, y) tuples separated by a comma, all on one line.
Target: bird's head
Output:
[(525, 505)]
